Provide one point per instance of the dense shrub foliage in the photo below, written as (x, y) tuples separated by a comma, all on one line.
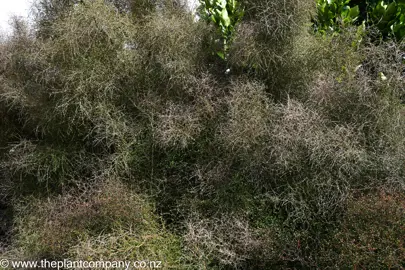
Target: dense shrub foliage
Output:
[(122, 137)]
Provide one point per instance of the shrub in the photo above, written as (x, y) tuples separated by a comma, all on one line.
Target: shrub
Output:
[(256, 167), (273, 45), (106, 222)]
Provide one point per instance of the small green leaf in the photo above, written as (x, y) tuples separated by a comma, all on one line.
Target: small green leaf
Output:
[(354, 12), (221, 54), (225, 18), (390, 12)]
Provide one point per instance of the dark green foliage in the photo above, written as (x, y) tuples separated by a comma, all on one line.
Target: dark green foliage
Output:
[(331, 15), (387, 16)]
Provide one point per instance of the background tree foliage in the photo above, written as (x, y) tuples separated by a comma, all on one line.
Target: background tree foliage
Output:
[(122, 138), (386, 16)]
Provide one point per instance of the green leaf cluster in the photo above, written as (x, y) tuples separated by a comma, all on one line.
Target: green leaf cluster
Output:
[(387, 16), (333, 14), (225, 14)]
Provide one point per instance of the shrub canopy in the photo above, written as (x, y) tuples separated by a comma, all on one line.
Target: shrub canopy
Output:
[(122, 136)]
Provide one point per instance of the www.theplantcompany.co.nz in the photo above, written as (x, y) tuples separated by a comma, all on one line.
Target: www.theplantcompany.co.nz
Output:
[(81, 264)]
